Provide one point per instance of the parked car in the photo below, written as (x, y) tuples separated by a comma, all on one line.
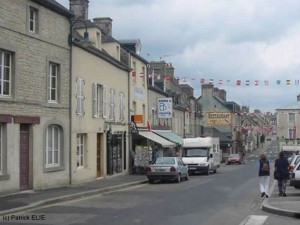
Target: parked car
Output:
[(295, 176), (167, 168), (293, 162), (234, 158)]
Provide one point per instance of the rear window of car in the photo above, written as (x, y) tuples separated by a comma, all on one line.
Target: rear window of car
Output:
[(165, 161), (233, 156)]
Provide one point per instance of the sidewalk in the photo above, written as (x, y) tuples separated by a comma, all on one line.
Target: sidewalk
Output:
[(284, 206), (33, 199)]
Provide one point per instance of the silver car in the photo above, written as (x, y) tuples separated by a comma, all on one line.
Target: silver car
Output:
[(167, 168)]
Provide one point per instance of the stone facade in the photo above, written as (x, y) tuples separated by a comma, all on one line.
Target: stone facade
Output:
[(32, 49)]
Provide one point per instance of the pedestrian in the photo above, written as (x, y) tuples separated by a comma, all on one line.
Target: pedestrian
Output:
[(282, 169), (264, 175)]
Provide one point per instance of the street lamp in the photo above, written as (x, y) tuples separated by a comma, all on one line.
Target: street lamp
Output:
[(85, 39)]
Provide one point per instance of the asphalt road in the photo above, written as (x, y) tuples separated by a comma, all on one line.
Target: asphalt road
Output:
[(229, 197)]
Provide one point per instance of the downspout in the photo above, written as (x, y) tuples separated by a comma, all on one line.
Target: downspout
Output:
[(70, 41), (129, 120)]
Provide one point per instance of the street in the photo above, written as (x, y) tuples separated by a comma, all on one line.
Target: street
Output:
[(229, 197)]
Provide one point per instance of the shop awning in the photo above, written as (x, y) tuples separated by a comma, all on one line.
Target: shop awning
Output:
[(169, 135), (154, 137)]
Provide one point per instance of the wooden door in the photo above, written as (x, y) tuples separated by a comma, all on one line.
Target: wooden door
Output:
[(98, 155), (24, 157)]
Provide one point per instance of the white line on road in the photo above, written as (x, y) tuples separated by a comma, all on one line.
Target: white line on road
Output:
[(254, 220)]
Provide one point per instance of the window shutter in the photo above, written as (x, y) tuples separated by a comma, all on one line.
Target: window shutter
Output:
[(94, 99), (104, 102), (80, 97)]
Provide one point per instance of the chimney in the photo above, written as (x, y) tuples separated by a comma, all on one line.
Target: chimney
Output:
[(207, 90), (298, 98), (105, 24), (222, 94), (80, 8)]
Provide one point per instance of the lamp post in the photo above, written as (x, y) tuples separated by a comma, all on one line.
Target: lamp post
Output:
[(70, 41)]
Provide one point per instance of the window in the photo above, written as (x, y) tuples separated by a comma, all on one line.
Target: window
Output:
[(80, 97), (53, 83), (80, 150), (134, 71), (112, 105), (291, 118), (143, 76), (292, 133), (5, 73), (33, 18), (122, 106), (53, 145), (97, 95)]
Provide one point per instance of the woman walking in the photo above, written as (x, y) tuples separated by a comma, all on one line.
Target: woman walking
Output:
[(281, 168), (264, 176)]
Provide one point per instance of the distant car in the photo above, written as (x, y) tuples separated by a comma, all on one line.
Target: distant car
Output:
[(295, 176), (234, 158), (167, 168)]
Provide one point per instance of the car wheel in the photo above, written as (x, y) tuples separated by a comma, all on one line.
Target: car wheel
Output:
[(207, 172), (150, 181), (178, 178), (215, 170)]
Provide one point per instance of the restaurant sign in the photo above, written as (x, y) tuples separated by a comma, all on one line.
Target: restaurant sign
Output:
[(218, 118)]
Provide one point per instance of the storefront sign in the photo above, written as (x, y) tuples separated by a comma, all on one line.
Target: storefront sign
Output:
[(218, 118), (165, 108)]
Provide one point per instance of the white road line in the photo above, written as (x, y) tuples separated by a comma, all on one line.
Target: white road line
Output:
[(254, 220)]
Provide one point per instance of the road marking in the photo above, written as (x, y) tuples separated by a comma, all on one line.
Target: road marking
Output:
[(254, 220)]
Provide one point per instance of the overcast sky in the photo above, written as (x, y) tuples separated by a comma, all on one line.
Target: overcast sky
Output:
[(254, 41)]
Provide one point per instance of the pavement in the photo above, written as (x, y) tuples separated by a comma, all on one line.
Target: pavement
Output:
[(30, 200), (34, 199)]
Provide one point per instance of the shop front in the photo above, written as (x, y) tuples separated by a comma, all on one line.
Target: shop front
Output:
[(143, 145)]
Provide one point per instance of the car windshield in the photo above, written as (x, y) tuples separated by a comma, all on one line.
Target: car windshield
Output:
[(196, 152), (233, 156), (165, 161)]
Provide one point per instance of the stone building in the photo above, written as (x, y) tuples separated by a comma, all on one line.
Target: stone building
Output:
[(34, 95)]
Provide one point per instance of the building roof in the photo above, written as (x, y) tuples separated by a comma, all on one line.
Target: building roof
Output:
[(56, 7), (292, 106)]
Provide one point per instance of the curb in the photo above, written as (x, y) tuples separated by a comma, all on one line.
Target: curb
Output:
[(63, 198), (271, 209), (265, 206)]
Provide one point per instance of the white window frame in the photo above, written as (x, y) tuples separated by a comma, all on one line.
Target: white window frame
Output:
[(80, 154), (112, 105), (5, 67), (53, 146), (80, 97), (122, 106), (53, 86), (291, 118), (96, 98), (32, 19)]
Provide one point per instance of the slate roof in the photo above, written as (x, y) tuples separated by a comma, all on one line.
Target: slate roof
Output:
[(55, 6), (293, 106)]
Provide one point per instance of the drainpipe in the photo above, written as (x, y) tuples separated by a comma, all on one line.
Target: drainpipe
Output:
[(70, 110), (129, 121)]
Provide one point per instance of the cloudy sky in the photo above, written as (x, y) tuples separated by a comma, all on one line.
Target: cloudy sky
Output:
[(254, 41)]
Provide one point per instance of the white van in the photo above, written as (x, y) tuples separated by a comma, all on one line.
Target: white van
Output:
[(202, 154)]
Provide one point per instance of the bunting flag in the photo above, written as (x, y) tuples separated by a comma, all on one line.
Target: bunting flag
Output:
[(296, 82), (184, 80), (247, 82), (256, 82), (211, 81), (133, 73), (266, 82), (168, 77), (228, 81), (202, 81), (220, 81), (288, 82), (278, 82), (238, 82), (141, 74)]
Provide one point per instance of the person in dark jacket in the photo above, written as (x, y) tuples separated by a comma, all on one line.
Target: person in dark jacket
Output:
[(282, 168), (264, 175)]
